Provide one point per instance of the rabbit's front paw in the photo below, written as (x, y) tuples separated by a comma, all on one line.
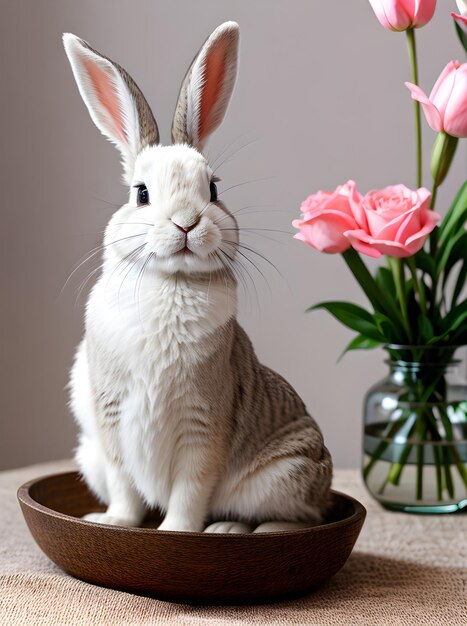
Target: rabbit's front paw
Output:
[(182, 524), (232, 528), (273, 527), (105, 518)]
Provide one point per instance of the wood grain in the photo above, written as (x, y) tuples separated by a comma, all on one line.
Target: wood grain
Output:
[(181, 566)]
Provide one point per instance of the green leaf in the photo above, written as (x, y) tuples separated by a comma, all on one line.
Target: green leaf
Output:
[(460, 283), (453, 324), (386, 327), (385, 280), (425, 262), (352, 316), (455, 317), (380, 300), (461, 34), (454, 219), (425, 328), (461, 337), (360, 342), (457, 252), (453, 251)]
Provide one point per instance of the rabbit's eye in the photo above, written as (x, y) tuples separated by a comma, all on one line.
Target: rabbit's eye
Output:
[(213, 188), (143, 195)]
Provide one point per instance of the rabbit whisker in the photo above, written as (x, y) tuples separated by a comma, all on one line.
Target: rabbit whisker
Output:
[(237, 265), (246, 182), (205, 208), (229, 157), (95, 251), (269, 230), (132, 224), (85, 281), (243, 210), (139, 281), (256, 232), (242, 245), (231, 270), (112, 204), (212, 160), (258, 269), (140, 274), (122, 262), (135, 258)]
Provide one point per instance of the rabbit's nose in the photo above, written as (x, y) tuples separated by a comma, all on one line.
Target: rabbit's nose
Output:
[(186, 229)]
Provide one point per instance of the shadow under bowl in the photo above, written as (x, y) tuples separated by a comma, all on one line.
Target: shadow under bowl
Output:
[(184, 566)]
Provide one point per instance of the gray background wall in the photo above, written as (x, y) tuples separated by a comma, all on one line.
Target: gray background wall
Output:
[(320, 94)]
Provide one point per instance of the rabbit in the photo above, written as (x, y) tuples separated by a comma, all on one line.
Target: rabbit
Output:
[(173, 407)]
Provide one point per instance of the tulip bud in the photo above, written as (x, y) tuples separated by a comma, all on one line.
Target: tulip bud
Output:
[(460, 22), (462, 6), (403, 14), (446, 107)]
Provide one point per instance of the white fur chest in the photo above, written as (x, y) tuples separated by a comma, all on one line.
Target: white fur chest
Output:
[(150, 339)]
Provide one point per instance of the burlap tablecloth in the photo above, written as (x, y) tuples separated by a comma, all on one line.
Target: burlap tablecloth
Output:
[(405, 570)]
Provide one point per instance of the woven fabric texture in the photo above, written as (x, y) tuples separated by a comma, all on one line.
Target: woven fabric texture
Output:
[(405, 570)]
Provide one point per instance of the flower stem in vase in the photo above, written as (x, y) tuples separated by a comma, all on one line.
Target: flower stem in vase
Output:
[(420, 456), (397, 268), (418, 128)]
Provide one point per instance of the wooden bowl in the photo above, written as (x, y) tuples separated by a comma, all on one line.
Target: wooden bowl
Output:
[(184, 566)]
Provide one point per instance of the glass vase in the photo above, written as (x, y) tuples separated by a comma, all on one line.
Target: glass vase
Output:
[(415, 432)]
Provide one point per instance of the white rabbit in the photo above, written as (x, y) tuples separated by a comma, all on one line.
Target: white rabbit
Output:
[(174, 409)]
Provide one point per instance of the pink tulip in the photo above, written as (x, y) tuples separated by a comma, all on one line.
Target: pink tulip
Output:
[(446, 108), (327, 215), (403, 14), (398, 220), (462, 18)]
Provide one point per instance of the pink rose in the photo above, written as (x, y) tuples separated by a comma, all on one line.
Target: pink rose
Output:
[(403, 14), (446, 108), (398, 220), (327, 215)]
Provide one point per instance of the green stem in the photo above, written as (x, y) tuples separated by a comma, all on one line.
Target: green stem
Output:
[(445, 420), (378, 298), (432, 426), (434, 192), (395, 471), (447, 472), (418, 284), (444, 149), (397, 268), (459, 464), (418, 129), (439, 476), (433, 235), (443, 455), (391, 431), (420, 458)]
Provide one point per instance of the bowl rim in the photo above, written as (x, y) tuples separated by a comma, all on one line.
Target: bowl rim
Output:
[(24, 497)]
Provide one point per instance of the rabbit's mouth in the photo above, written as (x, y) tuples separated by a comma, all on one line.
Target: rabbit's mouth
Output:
[(185, 251)]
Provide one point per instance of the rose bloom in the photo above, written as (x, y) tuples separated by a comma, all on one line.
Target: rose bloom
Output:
[(327, 215), (403, 14), (446, 108), (398, 222)]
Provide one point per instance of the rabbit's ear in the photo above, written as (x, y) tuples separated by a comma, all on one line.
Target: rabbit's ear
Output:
[(207, 87), (115, 103)]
